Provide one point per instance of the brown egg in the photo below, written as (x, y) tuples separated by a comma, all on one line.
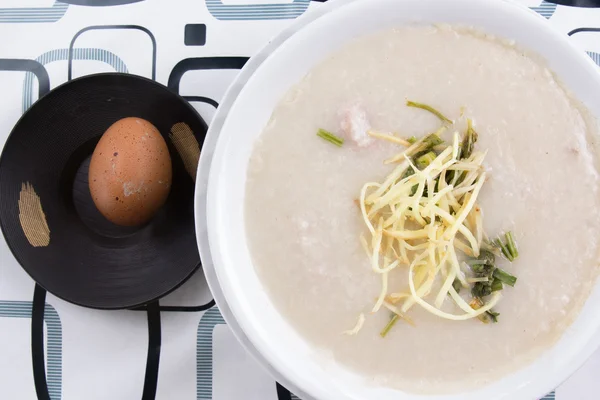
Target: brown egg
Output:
[(130, 172)]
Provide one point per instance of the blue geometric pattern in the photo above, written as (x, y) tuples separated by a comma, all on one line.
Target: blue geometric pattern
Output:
[(204, 355), (62, 55), (221, 11), (595, 57), (22, 309), (34, 14), (248, 12), (545, 9)]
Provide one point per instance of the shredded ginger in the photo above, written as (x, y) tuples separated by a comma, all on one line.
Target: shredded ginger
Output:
[(419, 218)]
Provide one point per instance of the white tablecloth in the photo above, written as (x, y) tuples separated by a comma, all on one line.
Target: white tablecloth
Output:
[(98, 355)]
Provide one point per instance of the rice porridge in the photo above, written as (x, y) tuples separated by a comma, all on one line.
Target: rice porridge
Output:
[(304, 219)]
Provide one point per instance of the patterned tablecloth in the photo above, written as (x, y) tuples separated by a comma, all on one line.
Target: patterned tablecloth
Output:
[(196, 48)]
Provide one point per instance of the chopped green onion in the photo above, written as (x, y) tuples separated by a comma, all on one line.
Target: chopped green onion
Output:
[(483, 270), (432, 140), (476, 304), (509, 249), (413, 190), (423, 161), (389, 325), (330, 137), (409, 171), (497, 285), (478, 268), (505, 277), (512, 246), (412, 140), (468, 142), (504, 249), (476, 261), (430, 109), (481, 289), (487, 257), (493, 315), (424, 148)]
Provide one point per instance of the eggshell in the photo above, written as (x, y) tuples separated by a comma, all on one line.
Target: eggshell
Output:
[(130, 172)]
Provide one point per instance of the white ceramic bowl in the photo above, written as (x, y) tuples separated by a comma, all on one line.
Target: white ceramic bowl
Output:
[(240, 120)]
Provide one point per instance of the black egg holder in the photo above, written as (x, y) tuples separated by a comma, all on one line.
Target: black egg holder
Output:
[(78, 204), (90, 261)]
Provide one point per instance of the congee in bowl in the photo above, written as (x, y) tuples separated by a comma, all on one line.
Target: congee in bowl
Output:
[(422, 206)]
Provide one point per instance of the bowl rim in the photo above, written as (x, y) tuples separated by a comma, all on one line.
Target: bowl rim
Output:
[(202, 178), (205, 200)]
